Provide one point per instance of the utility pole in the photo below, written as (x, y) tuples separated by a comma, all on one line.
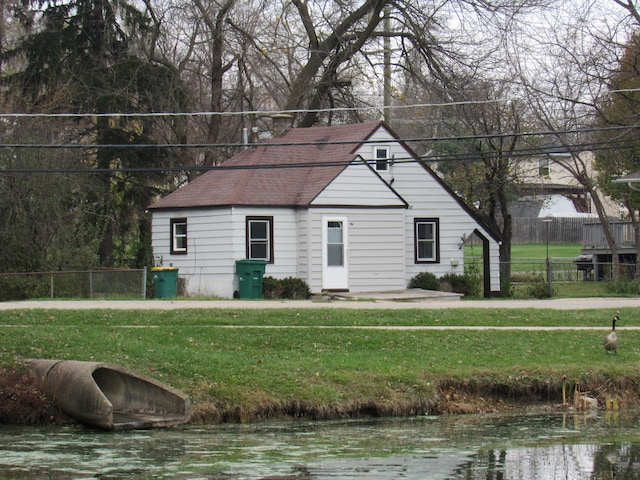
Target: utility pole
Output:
[(387, 66), (547, 220)]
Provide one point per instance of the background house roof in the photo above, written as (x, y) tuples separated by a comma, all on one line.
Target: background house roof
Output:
[(307, 160)]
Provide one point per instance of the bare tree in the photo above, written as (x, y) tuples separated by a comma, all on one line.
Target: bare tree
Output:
[(477, 153), (565, 86)]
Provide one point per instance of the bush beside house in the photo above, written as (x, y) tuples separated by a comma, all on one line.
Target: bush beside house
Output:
[(451, 282), (290, 288)]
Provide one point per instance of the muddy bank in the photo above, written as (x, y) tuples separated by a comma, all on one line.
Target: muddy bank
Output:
[(22, 403), (451, 396)]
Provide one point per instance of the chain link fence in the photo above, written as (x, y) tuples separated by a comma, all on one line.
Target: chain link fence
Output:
[(103, 283), (568, 270), (134, 283)]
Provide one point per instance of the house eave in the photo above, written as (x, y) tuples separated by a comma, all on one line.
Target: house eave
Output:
[(294, 206), (364, 207)]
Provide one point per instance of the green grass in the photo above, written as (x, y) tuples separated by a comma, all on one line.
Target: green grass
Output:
[(528, 267), (533, 251), (539, 251), (133, 322), (299, 357)]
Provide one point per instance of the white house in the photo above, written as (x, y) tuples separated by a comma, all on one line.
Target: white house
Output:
[(345, 208)]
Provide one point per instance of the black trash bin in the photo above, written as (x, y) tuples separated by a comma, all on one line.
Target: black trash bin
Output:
[(250, 273)]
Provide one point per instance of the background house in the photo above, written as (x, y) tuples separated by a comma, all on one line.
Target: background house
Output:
[(546, 190), (345, 208)]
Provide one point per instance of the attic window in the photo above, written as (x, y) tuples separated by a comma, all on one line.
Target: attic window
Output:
[(178, 235), (427, 240), (381, 155), (260, 238), (544, 167)]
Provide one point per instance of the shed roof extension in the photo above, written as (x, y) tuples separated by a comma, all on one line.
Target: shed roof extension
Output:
[(290, 170)]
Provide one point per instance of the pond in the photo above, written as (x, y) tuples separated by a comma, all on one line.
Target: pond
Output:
[(514, 446)]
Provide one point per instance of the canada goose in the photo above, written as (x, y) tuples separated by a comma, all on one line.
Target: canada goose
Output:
[(611, 340)]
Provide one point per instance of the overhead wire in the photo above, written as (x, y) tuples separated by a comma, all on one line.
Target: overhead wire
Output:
[(270, 113), (271, 143), (525, 153), (467, 156), (259, 113)]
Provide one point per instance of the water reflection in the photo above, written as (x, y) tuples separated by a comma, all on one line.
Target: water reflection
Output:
[(472, 447)]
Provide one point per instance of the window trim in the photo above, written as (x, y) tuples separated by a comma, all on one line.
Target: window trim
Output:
[(436, 224), (381, 163), (544, 167), (269, 221), (173, 248)]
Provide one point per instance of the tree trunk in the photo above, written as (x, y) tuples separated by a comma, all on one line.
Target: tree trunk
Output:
[(636, 231), (606, 228), (320, 51), (216, 70), (505, 257), (633, 216), (105, 195)]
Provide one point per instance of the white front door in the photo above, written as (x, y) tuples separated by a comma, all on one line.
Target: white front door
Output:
[(335, 265)]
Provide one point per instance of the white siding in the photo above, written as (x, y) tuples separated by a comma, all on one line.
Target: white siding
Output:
[(205, 267), (305, 237), (358, 185), (216, 238), (428, 199), (375, 248)]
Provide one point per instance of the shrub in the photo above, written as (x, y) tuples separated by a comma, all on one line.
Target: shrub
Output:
[(524, 277), (295, 288), (464, 284), (290, 287), (425, 280), (624, 287), (271, 288), (22, 287), (540, 289), (21, 402)]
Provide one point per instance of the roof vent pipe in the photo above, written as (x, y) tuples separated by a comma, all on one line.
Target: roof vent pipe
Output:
[(245, 137), (255, 138), (280, 123)]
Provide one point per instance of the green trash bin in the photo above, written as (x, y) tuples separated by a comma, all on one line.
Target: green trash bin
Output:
[(250, 273), (165, 281)]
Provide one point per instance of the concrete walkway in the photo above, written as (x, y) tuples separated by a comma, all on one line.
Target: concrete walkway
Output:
[(370, 303)]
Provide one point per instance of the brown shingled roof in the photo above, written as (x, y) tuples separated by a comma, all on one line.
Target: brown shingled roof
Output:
[(302, 154)]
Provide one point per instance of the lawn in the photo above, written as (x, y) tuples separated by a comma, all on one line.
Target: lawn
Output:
[(533, 251), (529, 268), (243, 365), (539, 250), (324, 363)]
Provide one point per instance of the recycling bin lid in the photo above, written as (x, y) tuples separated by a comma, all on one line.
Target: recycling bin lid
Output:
[(163, 268)]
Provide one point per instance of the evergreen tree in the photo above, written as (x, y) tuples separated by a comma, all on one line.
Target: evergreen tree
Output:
[(87, 57)]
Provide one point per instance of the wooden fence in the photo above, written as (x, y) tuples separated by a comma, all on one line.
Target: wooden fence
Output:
[(560, 230), (535, 230)]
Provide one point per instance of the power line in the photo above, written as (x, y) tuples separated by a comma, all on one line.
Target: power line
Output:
[(270, 113), (427, 159), (258, 113), (457, 157), (467, 156), (90, 146)]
